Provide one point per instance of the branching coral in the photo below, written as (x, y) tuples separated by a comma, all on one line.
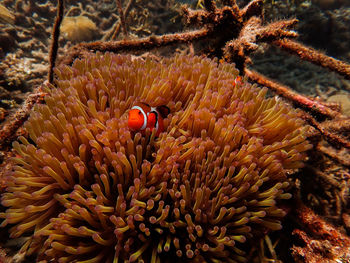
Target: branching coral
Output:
[(85, 188)]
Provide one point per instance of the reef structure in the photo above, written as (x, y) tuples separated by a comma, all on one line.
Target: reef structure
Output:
[(85, 188)]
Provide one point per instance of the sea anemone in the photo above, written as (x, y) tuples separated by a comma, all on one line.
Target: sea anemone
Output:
[(6, 16), (85, 188)]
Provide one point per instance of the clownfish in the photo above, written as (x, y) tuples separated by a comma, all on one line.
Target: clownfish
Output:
[(237, 81), (142, 116)]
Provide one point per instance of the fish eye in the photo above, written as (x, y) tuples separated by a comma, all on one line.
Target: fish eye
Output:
[(140, 112)]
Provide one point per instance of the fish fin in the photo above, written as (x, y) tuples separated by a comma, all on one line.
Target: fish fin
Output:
[(163, 111), (152, 119)]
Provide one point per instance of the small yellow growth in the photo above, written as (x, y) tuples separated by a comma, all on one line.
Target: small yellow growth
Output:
[(6, 17), (344, 101), (78, 28)]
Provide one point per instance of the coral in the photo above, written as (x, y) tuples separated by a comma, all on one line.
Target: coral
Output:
[(55, 35), (122, 17), (78, 28), (3, 113), (11, 129), (6, 16), (7, 42), (84, 187), (322, 243), (24, 46)]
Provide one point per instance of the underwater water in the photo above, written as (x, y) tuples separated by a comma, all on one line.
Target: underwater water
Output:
[(26, 29), (83, 131)]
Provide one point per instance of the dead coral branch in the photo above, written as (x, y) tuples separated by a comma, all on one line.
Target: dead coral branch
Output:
[(55, 36), (299, 100), (333, 135), (321, 242), (116, 29), (314, 56), (331, 130), (135, 44), (8, 132), (238, 50), (122, 18)]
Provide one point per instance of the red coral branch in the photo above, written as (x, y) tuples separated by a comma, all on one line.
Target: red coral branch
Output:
[(297, 99)]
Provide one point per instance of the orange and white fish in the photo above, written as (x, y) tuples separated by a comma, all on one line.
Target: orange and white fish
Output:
[(237, 81), (142, 116)]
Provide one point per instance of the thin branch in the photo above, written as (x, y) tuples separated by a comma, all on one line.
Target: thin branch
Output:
[(334, 155), (342, 125), (126, 12), (135, 44), (330, 136), (116, 30), (322, 176), (122, 18), (299, 100), (55, 36), (314, 56), (9, 129)]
